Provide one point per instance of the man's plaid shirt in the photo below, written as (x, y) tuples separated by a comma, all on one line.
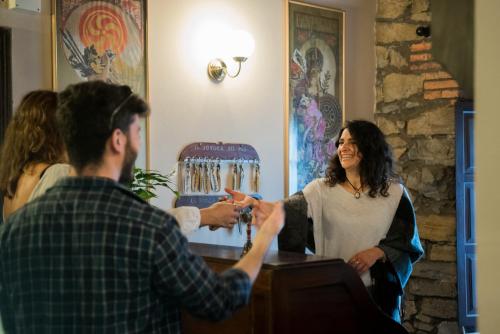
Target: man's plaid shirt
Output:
[(91, 257)]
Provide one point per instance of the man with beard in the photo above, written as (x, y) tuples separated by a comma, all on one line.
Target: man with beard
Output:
[(90, 256)]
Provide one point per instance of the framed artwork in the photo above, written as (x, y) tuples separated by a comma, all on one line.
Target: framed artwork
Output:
[(102, 40), (315, 91)]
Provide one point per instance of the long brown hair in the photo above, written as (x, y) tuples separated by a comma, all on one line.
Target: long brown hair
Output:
[(31, 137), (376, 166)]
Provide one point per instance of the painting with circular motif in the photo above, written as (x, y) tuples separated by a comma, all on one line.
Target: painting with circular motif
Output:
[(315, 90), (101, 40)]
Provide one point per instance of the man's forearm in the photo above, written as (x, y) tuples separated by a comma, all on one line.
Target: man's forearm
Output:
[(252, 261)]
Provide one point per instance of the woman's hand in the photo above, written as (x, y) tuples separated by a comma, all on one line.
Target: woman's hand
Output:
[(261, 211), (274, 220), (220, 214), (364, 260), (240, 198)]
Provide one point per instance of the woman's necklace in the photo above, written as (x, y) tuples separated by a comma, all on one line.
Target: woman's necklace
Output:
[(357, 193)]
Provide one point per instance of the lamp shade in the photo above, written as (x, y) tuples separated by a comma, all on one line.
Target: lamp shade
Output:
[(241, 44)]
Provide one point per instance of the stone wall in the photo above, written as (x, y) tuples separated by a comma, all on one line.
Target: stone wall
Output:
[(415, 100)]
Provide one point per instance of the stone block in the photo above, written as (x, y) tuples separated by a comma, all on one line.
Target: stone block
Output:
[(422, 17), (442, 253), (388, 108), (420, 6), (433, 150), (439, 308), (437, 227), (395, 32), (432, 288), (448, 327), (379, 94), (410, 309), (382, 55), (431, 192), (391, 9), (409, 327), (423, 318), (396, 59), (412, 104), (427, 176), (433, 122), (442, 271), (398, 152), (423, 326), (413, 181), (396, 142), (400, 86), (387, 126)]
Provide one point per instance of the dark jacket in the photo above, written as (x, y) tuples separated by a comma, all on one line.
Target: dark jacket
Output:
[(401, 246)]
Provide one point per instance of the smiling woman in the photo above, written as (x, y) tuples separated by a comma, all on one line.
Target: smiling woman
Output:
[(360, 213)]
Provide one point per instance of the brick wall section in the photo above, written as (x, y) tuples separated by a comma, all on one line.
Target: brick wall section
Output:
[(415, 109), (437, 85)]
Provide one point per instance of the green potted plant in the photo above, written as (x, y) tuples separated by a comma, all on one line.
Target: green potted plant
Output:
[(146, 182)]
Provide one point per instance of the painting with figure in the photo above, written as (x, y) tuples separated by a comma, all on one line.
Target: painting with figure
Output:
[(101, 40), (316, 90)]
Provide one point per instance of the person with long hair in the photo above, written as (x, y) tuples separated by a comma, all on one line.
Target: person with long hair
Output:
[(359, 212), (31, 146)]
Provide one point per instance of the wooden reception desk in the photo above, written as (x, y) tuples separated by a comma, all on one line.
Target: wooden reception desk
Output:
[(296, 293)]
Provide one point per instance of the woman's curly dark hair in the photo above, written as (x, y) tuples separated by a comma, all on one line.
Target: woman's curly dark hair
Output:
[(32, 137), (376, 166)]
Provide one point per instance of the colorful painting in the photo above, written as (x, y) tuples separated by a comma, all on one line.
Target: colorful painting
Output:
[(102, 40), (315, 91)]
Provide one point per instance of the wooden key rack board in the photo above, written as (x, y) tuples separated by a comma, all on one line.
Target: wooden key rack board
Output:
[(205, 169)]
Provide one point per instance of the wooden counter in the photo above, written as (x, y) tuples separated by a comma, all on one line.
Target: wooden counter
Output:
[(296, 293)]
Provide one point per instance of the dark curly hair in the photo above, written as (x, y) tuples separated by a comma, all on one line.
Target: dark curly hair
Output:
[(87, 114), (376, 166), (32, 137)]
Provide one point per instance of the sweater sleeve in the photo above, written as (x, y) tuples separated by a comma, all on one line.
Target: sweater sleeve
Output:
[(297, 234), (402, 245), (188, 217)]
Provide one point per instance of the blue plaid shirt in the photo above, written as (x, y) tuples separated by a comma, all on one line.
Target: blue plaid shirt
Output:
[(91, 257)]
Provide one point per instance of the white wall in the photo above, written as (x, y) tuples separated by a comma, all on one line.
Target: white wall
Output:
[(31, 49), (487, 72), (187, 107)]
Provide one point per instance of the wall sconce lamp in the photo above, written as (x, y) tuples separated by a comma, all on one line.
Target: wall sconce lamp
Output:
[(241, 46)]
